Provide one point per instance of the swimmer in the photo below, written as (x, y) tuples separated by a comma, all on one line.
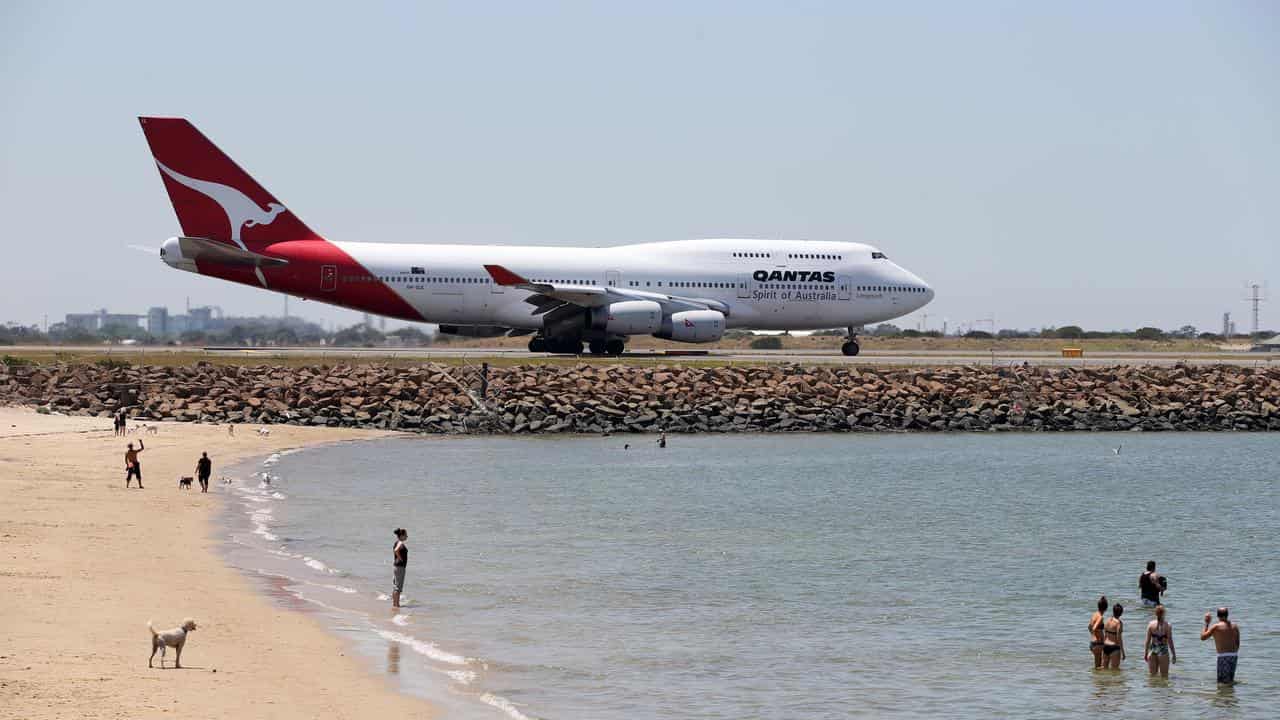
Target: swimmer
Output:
[(1226, 637), (1113, 639), (1159, 650), (1096, 623)]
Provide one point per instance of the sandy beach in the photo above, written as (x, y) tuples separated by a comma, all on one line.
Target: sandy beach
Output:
[(86, 563)]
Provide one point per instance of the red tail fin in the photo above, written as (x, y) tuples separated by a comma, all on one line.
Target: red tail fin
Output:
[(212, 196)]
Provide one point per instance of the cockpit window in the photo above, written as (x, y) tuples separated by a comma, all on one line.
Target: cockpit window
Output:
[(879, 256)]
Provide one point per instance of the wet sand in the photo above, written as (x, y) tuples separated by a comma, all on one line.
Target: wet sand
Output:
[(84, 563)]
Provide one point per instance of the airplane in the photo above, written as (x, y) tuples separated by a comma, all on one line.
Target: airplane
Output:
[(688, 291)]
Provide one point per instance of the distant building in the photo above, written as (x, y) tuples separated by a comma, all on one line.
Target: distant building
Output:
[(1271, 345), (158, 321), (101, 320)]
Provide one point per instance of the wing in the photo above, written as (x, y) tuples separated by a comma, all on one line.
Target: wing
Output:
[(551, 296)]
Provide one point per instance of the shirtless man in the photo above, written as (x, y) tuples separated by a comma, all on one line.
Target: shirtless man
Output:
[(133, 468), (1226, 636)]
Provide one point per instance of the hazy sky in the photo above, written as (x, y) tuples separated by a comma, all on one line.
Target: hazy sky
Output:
[(1103, 164)]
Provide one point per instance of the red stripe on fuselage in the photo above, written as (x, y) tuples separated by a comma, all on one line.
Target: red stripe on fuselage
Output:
[(303, 275)]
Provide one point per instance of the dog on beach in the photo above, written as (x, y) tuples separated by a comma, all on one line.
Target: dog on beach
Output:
[(133, 430), (151, 429), (174, 638), (184, 483), (264, 432)]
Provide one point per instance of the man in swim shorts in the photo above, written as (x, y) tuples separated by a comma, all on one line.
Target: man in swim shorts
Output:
[(1226, 637), (133, 468)]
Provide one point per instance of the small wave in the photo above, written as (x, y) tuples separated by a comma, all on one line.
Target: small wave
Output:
[(341, 589), (278, 496), (504, 705), (462, 677), (401, 620), (272, 459), (423, 647), (315, 564), (265, 532), (383, 596)]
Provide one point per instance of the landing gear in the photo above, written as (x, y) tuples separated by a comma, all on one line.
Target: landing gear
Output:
[(614, 346), (850, 347), (597, 347), (565, 346), (537, 344)]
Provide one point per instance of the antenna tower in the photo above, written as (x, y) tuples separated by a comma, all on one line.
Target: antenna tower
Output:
[(1256, 295)]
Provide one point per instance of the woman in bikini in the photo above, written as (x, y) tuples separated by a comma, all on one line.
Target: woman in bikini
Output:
[(1095, 631), (1159, 650), (1113, 639)]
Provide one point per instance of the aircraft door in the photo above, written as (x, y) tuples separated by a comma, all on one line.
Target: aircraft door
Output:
[(744, 290), (612, 278), (844, 286), (328, 278)]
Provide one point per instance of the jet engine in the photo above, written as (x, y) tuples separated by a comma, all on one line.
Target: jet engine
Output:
[(693, 326), (630, 317)]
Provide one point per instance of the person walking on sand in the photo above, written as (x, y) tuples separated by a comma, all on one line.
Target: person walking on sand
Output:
[(1159, 650), (1096, 623), (231, 430), (1226, 637), (1113, 639), (133, 468), (204, 468), (1151, 585), (399, 561), (662, 439)]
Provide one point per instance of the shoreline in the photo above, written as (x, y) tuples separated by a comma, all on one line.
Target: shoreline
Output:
[(87, 564)]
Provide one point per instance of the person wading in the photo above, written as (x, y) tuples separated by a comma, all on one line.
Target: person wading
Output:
[(1159, 650), (1113, 639), (399, 561), (1226, 636), (1096, 623), (1151, 585)]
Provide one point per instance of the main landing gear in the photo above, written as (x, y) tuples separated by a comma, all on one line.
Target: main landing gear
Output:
[(556, 345), (850, 347), (611, 346)]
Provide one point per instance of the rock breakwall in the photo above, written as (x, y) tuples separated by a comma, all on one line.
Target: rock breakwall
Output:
[(595, 398)]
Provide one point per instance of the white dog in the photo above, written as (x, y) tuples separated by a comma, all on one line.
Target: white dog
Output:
[(174, 638), (264, 432), (152, 429), (133, 430)]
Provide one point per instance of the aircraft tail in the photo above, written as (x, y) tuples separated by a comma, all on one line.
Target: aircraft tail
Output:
[(212, 196)]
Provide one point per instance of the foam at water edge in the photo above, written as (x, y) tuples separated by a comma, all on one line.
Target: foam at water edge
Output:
[(401, 620), (423, 647), (315, 564), (504, 705)]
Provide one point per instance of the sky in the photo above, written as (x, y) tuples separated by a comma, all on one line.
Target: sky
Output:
[(1109, 165)]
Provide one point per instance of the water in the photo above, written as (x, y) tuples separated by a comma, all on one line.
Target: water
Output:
[(779, 576)]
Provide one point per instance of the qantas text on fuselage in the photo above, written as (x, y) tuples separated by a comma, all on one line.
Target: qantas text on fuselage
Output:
[(688, 290)]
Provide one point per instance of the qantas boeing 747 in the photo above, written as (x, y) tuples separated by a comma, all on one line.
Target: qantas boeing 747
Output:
[(687, 291)]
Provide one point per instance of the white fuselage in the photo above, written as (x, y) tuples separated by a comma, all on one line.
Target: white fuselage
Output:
[(765, 284)]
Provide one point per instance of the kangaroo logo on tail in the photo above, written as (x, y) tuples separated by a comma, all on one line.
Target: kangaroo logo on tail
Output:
[(241, 211)]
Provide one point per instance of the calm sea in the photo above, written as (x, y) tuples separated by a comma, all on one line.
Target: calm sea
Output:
[(778, 576)]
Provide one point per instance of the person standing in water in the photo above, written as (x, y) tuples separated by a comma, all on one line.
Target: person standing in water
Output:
[(1226, 637), (1113, 639), (133, 468), (1159, 650), (399, 561), (1151, 585), (662, 439), (1096, 623)]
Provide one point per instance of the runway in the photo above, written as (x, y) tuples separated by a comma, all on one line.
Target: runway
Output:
[(870, 358)]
